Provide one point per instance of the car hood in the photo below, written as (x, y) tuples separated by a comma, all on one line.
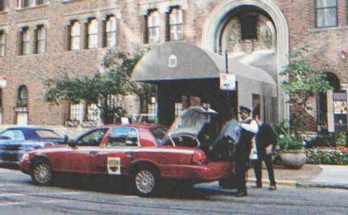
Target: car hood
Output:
[(191, 121)]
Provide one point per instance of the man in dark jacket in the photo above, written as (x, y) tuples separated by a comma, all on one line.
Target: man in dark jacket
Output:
[(266, 141), (247, 128)]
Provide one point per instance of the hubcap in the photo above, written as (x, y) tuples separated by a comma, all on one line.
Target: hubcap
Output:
[(145, 181), (42, 173)]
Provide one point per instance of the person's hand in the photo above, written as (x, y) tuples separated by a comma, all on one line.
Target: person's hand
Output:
[(269, 150)]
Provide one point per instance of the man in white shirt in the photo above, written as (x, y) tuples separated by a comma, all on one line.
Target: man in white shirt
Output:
[(248, 129)]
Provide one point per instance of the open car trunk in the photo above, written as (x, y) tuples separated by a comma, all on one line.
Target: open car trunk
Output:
[(197, 127)]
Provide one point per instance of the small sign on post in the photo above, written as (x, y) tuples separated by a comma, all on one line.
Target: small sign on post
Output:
[(3, 81), (227, 81)]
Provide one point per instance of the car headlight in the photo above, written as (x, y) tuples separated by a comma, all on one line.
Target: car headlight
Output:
[(25, 156)]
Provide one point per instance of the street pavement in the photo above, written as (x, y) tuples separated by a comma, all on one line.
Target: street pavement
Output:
[(310, 175)]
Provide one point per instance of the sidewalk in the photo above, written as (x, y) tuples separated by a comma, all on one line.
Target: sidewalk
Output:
[(325, 176)]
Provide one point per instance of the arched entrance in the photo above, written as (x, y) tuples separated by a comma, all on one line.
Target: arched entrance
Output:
[(220, 18)]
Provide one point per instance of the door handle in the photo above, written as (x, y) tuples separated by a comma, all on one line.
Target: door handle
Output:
[(92, 152), (129, 154)]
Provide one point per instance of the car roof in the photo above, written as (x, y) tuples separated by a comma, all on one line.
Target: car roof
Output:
[(134, 125)]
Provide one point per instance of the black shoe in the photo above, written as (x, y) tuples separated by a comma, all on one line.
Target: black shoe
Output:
[(272, 187), (241, 194), (256, 186)]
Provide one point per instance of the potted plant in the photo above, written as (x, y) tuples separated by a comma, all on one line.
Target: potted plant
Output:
[(291, 148)]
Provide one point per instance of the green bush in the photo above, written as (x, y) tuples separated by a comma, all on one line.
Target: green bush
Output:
[(327, 156), (289, 143)]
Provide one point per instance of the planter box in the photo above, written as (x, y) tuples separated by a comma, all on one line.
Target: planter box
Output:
[(293, 159)]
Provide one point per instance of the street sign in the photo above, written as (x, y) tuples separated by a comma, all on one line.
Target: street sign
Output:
[(3, 81), (227, 81)]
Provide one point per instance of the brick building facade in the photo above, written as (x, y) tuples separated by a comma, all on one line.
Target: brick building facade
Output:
[(218, 26)]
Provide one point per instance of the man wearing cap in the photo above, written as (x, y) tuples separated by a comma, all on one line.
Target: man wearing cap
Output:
[(248, 129)]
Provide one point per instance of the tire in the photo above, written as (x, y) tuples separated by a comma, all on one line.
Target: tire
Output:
[(42, 173), (146, 181)]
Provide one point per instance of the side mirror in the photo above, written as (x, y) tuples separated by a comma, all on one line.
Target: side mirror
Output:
[(71, 143), (66, 139)]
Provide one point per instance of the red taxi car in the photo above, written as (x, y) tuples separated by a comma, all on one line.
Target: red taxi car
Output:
[(145, 154)]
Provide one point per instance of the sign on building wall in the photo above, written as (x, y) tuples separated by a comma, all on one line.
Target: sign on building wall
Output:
[(337, 111), (227, 81), (3, 81)]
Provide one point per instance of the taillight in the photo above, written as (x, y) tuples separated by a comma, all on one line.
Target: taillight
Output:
[(199, 157)]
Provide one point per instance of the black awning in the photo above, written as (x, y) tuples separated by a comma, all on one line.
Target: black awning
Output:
[(192, 62)]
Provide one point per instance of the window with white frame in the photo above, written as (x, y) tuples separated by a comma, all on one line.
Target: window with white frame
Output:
[(93, 112), (178, 109), (25, 41), (110, 32), (40, 39), (2, 43), (92, 36), (31, 3), (326, 13), (176, 22), (76, 112), (75, 33), (153, 27)]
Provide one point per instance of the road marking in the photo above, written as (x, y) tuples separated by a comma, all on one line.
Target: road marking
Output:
[(60, 193), (4, 204), (11, 194)]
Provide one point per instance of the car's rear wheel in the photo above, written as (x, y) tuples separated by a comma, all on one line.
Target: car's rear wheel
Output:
[(42, 173), (146, 180)]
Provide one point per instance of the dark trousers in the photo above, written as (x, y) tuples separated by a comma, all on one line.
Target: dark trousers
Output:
[(262, 156), (242, 161)]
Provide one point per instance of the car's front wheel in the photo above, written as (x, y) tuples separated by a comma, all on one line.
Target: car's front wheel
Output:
[(42, 173), (146, 181)]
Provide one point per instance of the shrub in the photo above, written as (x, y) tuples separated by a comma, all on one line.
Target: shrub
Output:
[(337, 156)]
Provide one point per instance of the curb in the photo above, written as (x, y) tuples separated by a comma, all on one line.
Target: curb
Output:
[(290, 183), (321, 185)]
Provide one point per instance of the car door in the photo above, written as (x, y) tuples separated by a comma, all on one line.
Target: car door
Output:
[(81, 157), (117, 153)]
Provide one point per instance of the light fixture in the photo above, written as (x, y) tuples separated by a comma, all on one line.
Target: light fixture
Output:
[(343, 54)]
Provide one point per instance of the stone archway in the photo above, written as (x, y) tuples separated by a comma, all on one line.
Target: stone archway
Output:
[(212, 26)]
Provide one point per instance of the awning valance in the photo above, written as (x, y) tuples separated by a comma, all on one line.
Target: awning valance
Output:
[(191, 62)]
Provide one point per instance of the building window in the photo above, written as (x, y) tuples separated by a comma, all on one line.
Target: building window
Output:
[(326, 13), (0, 99), (2, 43), (30, 3), (74, 35), (248, 26), (93, 112), (3, 5), (22, 100), (179, 109), (92, 34), (110, 32), (75, 112), (153, 27), (176, 24), (25, 41), (40, 40)]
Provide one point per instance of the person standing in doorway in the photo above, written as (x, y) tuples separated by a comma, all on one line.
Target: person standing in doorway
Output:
[(247, 128), (266, 141)]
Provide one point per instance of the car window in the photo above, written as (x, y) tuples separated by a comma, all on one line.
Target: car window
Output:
[(123, 137), (92, 139), (159, 133), (14, 134), (182, 140), (46, 133)]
